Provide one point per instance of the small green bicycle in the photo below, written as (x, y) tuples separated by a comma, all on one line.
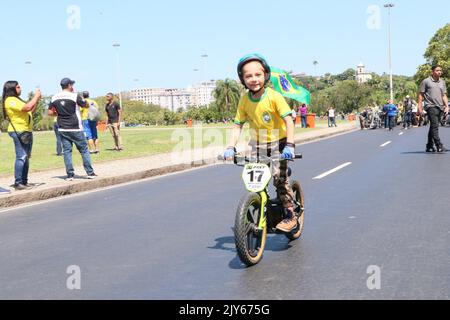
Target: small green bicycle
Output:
[(258, 215)]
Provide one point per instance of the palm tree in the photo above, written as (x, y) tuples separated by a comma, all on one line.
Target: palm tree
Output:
[(227, 94)]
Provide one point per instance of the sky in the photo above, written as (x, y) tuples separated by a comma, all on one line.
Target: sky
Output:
[(162, 42)]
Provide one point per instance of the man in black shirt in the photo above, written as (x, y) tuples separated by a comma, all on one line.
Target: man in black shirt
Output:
[(66, 106), (114, 118)]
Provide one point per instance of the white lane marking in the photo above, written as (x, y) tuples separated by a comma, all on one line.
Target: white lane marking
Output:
[(385, 144), (332, 171), (401, 133)]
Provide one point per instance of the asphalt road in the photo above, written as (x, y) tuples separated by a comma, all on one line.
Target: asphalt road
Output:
[(172, 238)]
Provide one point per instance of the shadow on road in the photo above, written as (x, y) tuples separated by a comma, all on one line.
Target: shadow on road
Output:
[(423, 152), (276, 243)]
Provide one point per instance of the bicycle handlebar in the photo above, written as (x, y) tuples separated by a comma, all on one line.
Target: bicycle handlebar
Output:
[(259, 158)]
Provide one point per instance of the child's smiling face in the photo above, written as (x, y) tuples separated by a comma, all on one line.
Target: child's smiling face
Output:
[(254, 76)]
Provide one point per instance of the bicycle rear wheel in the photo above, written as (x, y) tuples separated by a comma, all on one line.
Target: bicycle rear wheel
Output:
[(299, 209), (250, 240)]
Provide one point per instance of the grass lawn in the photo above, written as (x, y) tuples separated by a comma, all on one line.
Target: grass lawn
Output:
[(138, 142)]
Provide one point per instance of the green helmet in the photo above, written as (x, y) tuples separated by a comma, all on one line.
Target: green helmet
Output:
[(253, 57)]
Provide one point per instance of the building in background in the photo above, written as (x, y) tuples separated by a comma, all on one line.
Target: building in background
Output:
[(202, 93), (174, 99), (362, 76), (171, 99)]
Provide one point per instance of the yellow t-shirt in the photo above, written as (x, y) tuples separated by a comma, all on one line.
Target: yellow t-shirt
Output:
[(23, 121), (85, 111), (265, 116)]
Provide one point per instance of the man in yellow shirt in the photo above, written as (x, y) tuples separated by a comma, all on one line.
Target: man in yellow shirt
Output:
[(271, 127)]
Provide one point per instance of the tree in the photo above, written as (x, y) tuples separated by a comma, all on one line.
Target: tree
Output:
[(169, 117), (438, 52), (347, 96), (348, 74), (227, 95)]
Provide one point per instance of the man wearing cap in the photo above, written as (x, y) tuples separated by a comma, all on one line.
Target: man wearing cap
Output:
[(66, 106), (433, 93)]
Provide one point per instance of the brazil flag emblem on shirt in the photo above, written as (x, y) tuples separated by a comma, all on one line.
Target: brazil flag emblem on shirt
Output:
[(284, 84)]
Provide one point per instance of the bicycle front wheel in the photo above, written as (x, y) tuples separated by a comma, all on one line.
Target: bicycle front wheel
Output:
[(250, 240)]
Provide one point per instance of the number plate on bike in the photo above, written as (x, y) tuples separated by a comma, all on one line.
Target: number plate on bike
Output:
[(256, 177)]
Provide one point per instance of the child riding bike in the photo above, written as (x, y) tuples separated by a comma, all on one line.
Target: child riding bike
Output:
[(271, 128)]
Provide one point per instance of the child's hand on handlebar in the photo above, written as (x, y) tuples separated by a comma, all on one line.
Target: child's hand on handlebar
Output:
[(229, 153), (288, 153)]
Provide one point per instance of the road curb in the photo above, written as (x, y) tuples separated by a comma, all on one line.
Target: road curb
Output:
[(12, 200)]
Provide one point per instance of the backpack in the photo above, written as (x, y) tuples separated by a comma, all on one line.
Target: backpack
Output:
[(93, 114)]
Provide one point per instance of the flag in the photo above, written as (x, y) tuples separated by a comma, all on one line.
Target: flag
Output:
[(284, 84)]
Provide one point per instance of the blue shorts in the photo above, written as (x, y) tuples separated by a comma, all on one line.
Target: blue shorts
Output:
[(90, 129), (93, 126)]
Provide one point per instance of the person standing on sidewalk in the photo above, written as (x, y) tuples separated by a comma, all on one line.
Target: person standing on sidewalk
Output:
[(434, 93), (331, 117), (304, 113), (20, 116), (90, 116), (58, 138), (114, 118), (294, 115), (66, 106)]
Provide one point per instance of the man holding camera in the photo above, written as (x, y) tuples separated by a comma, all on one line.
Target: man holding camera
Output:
[(66, 106)]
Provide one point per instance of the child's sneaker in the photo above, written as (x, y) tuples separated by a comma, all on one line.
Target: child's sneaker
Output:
[(288, 224)]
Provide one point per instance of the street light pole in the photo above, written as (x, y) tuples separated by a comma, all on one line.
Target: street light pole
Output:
[(117, 46), (389, 6), (30, 63), (315, 63), (195, 76), (205, 56)]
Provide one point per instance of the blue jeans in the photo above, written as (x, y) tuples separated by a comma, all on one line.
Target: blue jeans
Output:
[(79, 139), (22, 164), (304, 125), (408, 119), (58, 139)]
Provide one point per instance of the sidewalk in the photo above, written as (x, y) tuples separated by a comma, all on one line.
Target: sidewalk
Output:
[(122, 171)]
